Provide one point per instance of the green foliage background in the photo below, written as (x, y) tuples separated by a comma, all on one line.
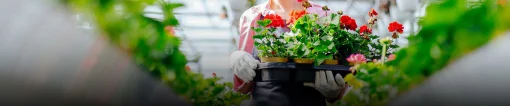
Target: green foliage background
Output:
[(124, 24), (450, 30)]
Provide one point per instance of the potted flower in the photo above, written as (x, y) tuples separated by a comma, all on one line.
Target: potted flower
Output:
[(300, 45), (271, 48), (314, 39), (268, 39)]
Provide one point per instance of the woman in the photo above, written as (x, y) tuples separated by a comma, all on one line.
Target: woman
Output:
[(243, 62)]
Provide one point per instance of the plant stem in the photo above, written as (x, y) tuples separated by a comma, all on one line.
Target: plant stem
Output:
[(383, 55)]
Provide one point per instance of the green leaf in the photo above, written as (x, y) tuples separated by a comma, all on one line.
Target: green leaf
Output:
[(264, 22), (321, 58), (258, 37)]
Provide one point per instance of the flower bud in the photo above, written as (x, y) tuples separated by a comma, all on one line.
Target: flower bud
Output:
[(306, 4), (325, 8), (340, 12), (366, 37), (394, 36), (372, 20)]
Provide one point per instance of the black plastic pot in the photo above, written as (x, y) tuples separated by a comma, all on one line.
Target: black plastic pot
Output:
[(292, 72), (275, 72)]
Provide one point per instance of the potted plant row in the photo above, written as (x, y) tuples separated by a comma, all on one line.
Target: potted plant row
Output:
[(313, 43)]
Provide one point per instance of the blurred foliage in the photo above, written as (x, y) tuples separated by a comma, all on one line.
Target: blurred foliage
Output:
[(252, 2), (450, 30), (123, 23)]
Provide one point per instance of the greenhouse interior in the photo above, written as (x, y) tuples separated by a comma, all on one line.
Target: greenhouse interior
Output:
[(255, 52)]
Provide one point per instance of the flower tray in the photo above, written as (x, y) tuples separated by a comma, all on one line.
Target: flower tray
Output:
[(292, 72)]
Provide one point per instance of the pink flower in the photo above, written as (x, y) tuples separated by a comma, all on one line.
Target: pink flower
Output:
[(356, 59), (214, 74), (392, 57), (299, 0), (170, 30), (188, 68)]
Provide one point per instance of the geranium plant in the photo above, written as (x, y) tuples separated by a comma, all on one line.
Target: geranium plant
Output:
[(303, 30), (360, 41), (312, 36), (268, 37), (333, 36)]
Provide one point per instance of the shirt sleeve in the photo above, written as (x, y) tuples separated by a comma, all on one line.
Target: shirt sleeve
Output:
[(242, 87), (246, 22)]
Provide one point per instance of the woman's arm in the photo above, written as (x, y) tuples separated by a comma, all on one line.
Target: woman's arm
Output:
[(245, 44)]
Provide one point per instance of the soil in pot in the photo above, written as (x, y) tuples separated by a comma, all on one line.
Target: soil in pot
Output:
[(303, 61), (330, 62), (274, 59)]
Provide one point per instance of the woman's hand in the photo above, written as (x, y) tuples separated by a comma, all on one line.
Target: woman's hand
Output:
[(243, 65), (329, 86)]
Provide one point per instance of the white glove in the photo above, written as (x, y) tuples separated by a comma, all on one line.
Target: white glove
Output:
[(328, 85), (243, 65)]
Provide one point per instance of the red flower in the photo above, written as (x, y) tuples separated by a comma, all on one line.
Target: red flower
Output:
[(372, 13), (276, 20), (299, 0), (295, 15), (344, 19), (396, 27), (352, 24), (348, 22), (214, 74), (364, 29), (357, 59)]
